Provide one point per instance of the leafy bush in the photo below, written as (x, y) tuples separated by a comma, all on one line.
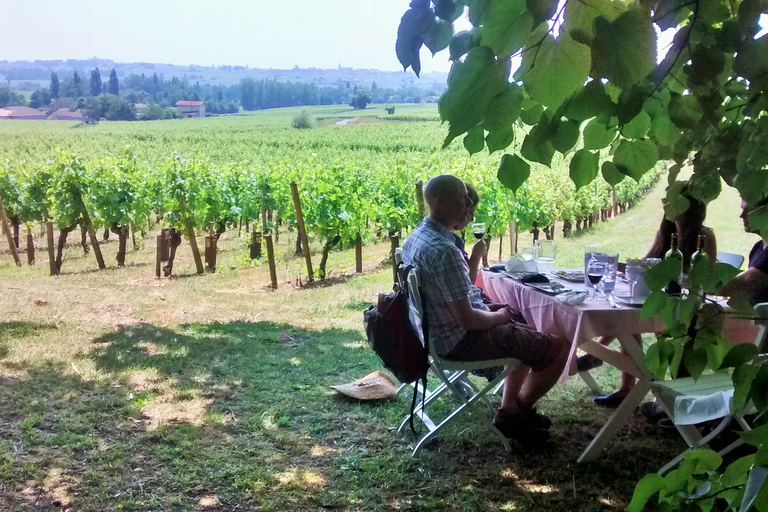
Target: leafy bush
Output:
[(302, 121)]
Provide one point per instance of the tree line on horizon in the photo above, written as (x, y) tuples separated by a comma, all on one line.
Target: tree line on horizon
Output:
[(114, 99)]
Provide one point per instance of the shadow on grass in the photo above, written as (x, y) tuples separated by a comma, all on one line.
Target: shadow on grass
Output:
[(241, 414)]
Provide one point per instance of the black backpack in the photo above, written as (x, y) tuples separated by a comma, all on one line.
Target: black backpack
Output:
[(393, 337)]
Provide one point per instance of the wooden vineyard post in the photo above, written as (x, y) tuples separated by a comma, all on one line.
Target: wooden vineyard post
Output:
[(302, 231), (7, 229), (255, 245), (94, 242), (51, 254), (358, 254), (30, 247), (501, 247), (191, 236), (210, 250), (420, 198), (263, 209), (159, 256), (271, 259), (165, 245), (394, 240)]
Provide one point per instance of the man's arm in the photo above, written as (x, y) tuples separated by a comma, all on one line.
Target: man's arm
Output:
[(476, 319), (749, 282)]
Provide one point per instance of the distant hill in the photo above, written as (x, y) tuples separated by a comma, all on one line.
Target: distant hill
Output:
[(38, 72)]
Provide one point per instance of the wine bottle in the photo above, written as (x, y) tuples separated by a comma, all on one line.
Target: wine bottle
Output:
[(700, 254), (674, 287)]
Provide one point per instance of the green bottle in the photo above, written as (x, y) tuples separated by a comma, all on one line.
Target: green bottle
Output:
[(675, 287), (700, 254)]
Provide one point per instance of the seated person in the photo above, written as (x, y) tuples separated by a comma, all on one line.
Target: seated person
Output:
[(462, 328), (688, 225), (753, 281)]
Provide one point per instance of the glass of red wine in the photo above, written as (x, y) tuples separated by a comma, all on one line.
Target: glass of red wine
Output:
[(478, 230), (595, 271)]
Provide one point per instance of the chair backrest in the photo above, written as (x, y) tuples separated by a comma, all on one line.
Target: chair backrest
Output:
[(416, 312), (762, 323), (399, 255), (730, 258)]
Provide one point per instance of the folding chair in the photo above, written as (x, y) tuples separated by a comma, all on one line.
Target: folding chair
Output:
[(688, 402), (453, 377), (730, 258)]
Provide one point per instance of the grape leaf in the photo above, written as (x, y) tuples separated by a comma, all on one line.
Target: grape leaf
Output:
[(597, 133), (541, 10), (638, 127), (506, 26), (583, 168), (500, 119), (569, 58), (414, 25), (477, 10), (471, 86), (611, 173), (635, 157), (566, 135), (474, 141), (532, 110), (460, 44), (513, 171), (684, 111), (439, 36), (664, 131), (580, 16), (590, 101), (448, 10), (536, 145), (624, 50)]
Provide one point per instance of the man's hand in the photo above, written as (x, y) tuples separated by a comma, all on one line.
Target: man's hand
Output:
[(495, 307)]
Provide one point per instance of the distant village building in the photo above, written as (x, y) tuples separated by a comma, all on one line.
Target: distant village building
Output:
[(140, 107), (189, 108), (21, 113), (65, 114)]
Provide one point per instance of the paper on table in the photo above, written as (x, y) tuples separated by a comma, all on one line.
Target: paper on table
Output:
[(518, 265)]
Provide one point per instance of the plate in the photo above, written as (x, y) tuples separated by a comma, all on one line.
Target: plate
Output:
[(575, 276), (517, 276), (549, 288), (631, 301)]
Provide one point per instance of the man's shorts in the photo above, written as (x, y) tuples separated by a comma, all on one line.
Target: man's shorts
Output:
[(534, 349)]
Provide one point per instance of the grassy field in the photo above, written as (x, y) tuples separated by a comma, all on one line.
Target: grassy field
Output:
[(122, 392)]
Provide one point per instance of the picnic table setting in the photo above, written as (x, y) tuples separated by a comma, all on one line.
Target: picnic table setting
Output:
[(604, 298)]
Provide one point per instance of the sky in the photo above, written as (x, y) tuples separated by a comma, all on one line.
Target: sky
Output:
[(257, 33)]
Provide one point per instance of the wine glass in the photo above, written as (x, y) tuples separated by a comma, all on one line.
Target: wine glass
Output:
[(478, 229), (595, 271), (633, 272)]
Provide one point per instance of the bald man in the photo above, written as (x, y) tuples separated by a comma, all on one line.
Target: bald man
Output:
[(462, 328)]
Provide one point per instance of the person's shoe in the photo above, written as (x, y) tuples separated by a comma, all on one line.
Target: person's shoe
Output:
[(520, 428), (652, 411), (587, 362), (612, 400)]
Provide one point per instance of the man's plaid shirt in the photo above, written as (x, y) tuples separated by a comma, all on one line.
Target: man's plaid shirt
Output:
[(444, 278)]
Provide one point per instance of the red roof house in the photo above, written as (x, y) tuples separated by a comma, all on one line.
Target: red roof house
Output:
[(189, 108), (20, 113)]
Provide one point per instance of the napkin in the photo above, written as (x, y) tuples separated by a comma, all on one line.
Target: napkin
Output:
[(572, 298), (518, 265)]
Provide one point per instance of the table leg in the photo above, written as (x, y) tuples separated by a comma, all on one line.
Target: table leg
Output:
[(617, 420)]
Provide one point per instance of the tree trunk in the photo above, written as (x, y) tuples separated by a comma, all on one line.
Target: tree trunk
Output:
[(327, 249), (175, 241), (60, 246), (83, 237), (299, 251), (567, 228), (106, 234), (15, 224), (122, 236), (535, 232)]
